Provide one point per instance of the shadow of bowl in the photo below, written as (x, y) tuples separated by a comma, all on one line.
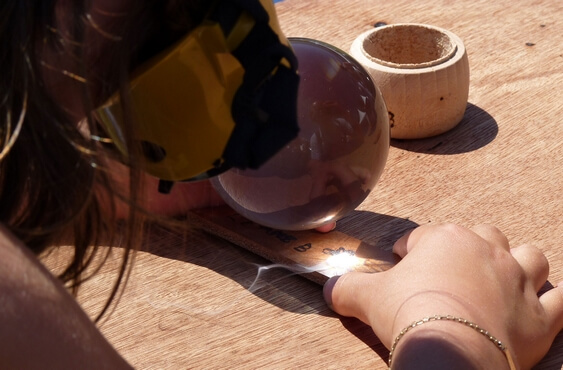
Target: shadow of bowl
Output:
[(476, 130)]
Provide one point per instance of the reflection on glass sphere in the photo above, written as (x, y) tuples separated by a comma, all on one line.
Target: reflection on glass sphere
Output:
[(334, 163)]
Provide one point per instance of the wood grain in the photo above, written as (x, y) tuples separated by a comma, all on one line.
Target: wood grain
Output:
[(197, 301)]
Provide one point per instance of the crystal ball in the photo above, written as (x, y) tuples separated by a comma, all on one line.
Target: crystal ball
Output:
[(337, 158)]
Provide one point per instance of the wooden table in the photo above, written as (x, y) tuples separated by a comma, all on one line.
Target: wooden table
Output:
[(197, 301)]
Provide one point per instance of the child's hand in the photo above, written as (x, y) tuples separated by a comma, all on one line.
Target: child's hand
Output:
[(473, 274)]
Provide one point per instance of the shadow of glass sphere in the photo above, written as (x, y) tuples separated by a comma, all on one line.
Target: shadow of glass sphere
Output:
[(336, 160)]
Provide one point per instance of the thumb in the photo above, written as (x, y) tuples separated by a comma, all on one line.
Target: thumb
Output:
[(352, 294)]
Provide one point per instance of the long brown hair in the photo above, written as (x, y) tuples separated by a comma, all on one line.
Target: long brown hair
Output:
[(52, 171)]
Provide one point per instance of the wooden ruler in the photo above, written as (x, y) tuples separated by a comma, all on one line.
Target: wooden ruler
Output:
[(317, 256)]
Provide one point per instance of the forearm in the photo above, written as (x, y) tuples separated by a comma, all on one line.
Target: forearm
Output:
[(446, 345), (42, 325)]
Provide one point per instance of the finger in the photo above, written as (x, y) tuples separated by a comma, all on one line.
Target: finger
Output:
[(326, 227), (351, 294), (405, 243), (533, 262), (400, 247), (449, 235), (552, 302), (492, 235)]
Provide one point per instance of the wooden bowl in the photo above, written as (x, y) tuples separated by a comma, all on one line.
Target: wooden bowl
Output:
[(423, 74)]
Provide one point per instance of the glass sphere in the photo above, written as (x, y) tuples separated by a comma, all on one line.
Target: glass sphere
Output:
[(336, 160)]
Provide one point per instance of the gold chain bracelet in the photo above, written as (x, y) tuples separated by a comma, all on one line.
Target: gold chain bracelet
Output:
[(465, 322)]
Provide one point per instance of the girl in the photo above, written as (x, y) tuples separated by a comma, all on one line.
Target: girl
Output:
[(62, 182)]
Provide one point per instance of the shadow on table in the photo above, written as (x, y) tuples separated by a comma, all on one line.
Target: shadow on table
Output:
[(375, 229), (476, 130), (273, 283), (365, 333)]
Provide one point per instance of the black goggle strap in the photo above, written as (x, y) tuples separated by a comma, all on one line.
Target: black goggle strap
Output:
[(263, 125)]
